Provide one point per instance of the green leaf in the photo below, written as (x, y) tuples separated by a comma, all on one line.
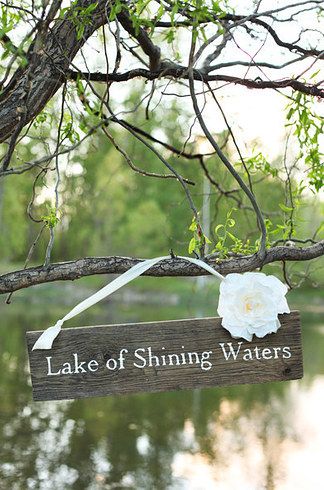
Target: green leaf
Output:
[(290, 113), (192, 245), (193, 226), (315, 73), (207, 239), (285, 208)]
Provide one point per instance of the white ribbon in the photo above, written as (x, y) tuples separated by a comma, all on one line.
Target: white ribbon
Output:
[(45, 341)]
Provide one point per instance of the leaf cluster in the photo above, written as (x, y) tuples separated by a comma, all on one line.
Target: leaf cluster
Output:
[(52, 218), (308, 128)]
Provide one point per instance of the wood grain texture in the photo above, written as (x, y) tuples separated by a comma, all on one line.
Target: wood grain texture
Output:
[(101, 343)]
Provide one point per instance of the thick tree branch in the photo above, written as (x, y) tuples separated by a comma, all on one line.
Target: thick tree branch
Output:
[(181, 72), (67, 271), (149, 48), (48, 62)]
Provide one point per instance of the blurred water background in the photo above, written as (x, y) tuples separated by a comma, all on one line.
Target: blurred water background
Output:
[(253, 437)]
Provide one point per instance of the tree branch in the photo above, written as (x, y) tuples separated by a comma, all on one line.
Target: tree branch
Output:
[(181, 72), (137, 169), (67, 271), (152, 51), (48, 64)]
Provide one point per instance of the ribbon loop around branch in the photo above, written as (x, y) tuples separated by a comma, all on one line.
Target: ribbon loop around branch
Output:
[(45, 341)]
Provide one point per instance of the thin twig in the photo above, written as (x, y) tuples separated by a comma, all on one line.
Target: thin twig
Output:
[(135, 168), (58, 181), (223, 158)]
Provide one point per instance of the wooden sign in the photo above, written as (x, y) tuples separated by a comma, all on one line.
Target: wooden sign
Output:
[(160, 356)]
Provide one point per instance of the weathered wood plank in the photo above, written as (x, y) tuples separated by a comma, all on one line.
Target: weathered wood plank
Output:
[(192, 353)]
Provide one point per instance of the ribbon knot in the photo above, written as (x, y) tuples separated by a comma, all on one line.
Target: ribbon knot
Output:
[(47, 338)]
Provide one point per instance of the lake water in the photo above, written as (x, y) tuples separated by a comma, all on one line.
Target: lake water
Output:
[(267, 436)]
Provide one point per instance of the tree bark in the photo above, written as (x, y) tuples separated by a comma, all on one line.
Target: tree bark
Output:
[(49, 58)]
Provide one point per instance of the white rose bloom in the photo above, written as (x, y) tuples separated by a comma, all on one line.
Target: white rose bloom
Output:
[(249, 304)]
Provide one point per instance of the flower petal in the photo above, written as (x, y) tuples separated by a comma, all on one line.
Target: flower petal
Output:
[(273, 283), (263, 330), (283, 306), (238, 332), (249, 303)]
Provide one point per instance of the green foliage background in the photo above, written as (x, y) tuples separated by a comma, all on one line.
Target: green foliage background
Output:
[(108, 209)]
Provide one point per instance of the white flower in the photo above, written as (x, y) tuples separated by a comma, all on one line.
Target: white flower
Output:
[(249, 304)]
